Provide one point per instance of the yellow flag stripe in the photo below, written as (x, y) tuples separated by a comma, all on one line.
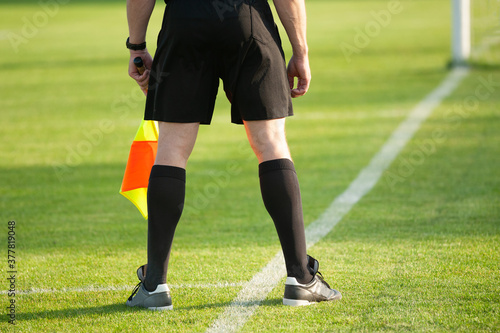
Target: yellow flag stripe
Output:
[(139, 199), (148, 131)]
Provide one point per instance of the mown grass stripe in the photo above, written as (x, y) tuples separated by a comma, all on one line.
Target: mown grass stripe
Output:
[(256, 290)]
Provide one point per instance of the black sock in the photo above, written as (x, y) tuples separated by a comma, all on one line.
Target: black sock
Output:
[(281, 194), (166, 192)]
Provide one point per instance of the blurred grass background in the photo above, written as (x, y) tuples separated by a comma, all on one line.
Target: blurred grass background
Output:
[(422, 256)]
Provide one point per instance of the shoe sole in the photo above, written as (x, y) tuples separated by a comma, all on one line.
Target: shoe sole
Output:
[(296, 302), (155, 308), (162, 308), (301, 302)]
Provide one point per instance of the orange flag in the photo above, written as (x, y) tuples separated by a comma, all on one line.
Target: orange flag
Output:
[(140, 161)]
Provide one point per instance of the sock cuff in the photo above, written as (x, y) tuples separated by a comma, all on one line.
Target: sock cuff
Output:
[(274, 165), (168, 171)]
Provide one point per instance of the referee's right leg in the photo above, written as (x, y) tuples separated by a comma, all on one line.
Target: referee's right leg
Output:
[(166, 192)]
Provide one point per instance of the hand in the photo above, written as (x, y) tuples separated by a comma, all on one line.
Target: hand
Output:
[(142, 80), (298, 67)]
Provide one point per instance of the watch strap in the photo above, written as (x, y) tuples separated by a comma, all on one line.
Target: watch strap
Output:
[(135, 47)]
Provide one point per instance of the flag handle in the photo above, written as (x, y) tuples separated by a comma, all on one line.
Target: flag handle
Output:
[(139, 64)]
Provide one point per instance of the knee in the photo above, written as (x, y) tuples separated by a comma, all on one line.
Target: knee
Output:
[(268, 142)]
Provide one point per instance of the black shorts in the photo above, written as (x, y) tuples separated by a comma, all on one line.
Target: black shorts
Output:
[(204, 40)]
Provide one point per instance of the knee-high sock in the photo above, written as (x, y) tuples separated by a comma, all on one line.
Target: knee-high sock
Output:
[(281, 195), (166, 192)]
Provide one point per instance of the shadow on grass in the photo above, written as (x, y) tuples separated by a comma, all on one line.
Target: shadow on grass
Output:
[(484, 66), (267, 302), (272, 302), (478, 65), (121, 307), (75, 312)]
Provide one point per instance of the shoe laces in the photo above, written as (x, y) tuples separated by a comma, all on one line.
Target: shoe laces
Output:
[(320, 277), (313, 266), (136, 289)]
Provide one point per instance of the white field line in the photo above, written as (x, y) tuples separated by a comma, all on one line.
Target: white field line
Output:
[(255, 291), (121, 288)]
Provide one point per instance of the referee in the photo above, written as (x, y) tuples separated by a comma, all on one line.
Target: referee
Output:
[(237, 41)]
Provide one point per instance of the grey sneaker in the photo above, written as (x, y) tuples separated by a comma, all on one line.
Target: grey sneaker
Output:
[(141, 272), (155, 300), (317, 290)]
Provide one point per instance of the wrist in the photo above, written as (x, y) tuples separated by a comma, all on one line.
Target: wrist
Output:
[(301, 55), (301, 52), (135, 46)]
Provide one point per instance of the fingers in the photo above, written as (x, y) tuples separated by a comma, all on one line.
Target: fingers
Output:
[(291, 80), (299, 68), (141, 79), (302, 88)]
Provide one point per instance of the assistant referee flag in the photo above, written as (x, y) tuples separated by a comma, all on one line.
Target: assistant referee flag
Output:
[(140, 161)]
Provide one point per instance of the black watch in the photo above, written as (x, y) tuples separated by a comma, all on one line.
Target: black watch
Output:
[(135, 47)]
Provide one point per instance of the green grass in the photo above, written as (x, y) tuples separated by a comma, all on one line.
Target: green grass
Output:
[(419, 255)]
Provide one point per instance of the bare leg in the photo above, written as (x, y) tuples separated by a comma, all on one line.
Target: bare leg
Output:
[(280, 192), (175, 143), (267, 139)]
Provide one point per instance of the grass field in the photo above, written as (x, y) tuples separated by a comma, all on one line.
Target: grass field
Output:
[(420, 252)]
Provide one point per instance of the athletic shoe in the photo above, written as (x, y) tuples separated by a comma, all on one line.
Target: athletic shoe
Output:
[(141, 272), (155, 300), (317, 290)]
